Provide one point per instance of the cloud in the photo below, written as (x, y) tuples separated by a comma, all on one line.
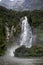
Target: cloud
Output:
[(23, 3), (11, 0), (0, 0)]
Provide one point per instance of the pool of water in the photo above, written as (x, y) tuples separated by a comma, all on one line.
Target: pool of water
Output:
[(8, 60)]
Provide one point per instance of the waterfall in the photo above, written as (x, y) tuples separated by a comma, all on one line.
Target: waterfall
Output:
[(7, 32), (25, 37), (11, 50), (26, 33)]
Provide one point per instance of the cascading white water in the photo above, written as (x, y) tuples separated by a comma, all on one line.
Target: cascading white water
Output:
[(11, 50), (26, 35), (7, 32), (25, 38)]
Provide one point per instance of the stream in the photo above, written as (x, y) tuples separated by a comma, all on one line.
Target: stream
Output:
[(8, 60)]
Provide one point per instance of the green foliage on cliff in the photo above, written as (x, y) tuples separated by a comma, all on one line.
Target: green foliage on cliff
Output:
[(37, 18)]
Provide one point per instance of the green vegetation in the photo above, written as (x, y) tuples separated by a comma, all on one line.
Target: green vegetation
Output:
[(35, 18), (35, 51)]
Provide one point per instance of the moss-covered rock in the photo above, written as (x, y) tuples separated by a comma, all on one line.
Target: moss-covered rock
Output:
[(35, 51)]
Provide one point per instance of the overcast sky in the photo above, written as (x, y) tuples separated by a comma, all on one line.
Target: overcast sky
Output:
[(11, 2), (34, 3)]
